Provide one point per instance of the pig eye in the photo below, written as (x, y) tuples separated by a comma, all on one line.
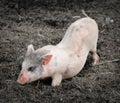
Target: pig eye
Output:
[(31, 69)]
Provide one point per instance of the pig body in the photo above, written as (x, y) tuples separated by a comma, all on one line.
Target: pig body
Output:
[(65, 59)]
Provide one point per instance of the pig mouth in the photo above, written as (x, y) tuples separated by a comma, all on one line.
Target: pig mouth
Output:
[(23, 81)]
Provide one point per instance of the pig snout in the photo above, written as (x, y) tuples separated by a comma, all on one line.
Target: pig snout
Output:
[(23, 78)]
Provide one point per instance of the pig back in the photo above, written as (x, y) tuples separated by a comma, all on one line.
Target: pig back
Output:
[(91, 38), (84, 30)]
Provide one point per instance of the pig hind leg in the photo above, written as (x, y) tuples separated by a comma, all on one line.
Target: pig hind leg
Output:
[(94, 54)]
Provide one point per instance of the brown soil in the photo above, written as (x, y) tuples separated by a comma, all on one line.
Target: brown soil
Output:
[(45, 23)]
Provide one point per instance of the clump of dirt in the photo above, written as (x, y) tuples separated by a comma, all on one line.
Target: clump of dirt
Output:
[(45, 23)]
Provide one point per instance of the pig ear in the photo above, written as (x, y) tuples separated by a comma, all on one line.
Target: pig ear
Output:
[(46, 59), (30, 49)]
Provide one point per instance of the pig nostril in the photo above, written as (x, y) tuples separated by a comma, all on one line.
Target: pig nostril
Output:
[(21, 75)]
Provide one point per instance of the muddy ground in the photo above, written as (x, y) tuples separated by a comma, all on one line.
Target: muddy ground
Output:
[(45, 23)]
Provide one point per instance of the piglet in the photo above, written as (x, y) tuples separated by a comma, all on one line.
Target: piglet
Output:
[(64, 60)]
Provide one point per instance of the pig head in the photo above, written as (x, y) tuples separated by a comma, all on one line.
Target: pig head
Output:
[(33, 65)]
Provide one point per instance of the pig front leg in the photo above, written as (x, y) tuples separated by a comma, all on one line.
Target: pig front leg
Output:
[(56, 79)]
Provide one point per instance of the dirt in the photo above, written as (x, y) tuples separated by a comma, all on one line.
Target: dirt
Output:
[(41, 24)]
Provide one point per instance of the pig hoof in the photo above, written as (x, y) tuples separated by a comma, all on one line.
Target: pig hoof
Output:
[(55, 84), (95, 59), (94, 63)]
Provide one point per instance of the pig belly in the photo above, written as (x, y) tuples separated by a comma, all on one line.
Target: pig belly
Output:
[(75, 68), (72, 71)]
